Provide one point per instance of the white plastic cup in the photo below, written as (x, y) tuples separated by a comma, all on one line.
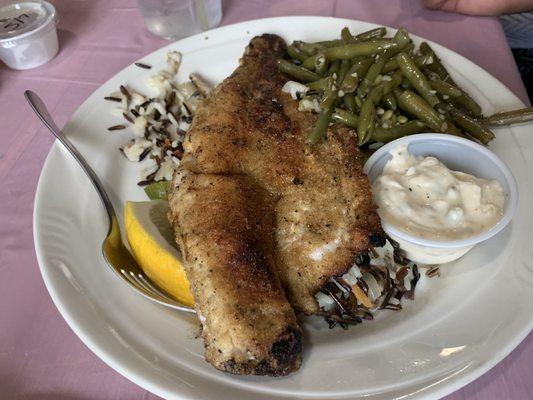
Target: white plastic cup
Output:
[(176, 19), (28, 36), (458, 154)]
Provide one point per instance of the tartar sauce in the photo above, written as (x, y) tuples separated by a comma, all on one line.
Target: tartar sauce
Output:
[(422, 197)]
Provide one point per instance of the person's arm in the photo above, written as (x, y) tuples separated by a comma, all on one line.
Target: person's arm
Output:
[(480, 7)]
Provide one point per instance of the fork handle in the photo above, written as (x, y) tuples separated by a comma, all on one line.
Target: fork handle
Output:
[(40, 109)]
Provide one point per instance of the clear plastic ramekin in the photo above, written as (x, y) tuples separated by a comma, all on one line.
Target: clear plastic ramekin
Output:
[(28, 36), (460, 155)]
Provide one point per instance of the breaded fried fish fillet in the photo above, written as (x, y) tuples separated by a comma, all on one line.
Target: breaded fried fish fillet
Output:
[(322, 201), (258, 203), (226, 235)]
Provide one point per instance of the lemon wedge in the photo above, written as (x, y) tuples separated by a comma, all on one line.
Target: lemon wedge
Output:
[(151, 239)]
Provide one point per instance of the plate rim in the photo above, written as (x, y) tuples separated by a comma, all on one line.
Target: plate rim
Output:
[(437, 389)]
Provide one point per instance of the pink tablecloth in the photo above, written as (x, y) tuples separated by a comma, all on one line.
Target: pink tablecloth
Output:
[(40, 357)]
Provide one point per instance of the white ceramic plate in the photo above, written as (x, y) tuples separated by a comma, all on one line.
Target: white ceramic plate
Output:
[(459, 326)]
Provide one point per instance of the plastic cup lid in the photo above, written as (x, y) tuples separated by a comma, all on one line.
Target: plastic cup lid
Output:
[(22, 18)]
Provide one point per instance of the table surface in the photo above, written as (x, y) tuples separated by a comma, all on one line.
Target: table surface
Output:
[(40, 357)]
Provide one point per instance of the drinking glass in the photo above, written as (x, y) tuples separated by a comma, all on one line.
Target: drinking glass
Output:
[(176, 19)]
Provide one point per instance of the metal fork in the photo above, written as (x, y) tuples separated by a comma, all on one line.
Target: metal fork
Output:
[(115, 253)]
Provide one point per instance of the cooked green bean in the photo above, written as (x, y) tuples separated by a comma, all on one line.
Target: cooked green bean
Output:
[(318, 63), (334, 67), (373, 72), (385, 135), (321, 126), (510, 117), (456, 95), (310, 62), (406, 84), (430, 74), (346, 117), (307, 48), (404, 43), (444, 88), (417, 78), (346, 35), (330, 43), (409, 48), (376, 93), (351, 75), (421, 60), (321, 64), (352, 50), (297, 72), (356, 71), (436, 65), (389, 100), (397, 92), (343, 70), (474, 128), (330, 94), (319, 84), (390, 66), (402, 37), (368, 80), (328, 99), (467, 102), (349, 102), (385, 87), (296, 53), (389, 56), (372, 34), (358, 102), (415, 105), (443, 108), (394, 81), (365, 125), (450, 127)]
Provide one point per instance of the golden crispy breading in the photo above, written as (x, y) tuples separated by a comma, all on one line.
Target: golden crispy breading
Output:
[(322, 200), (257, 206), (226, 235)]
